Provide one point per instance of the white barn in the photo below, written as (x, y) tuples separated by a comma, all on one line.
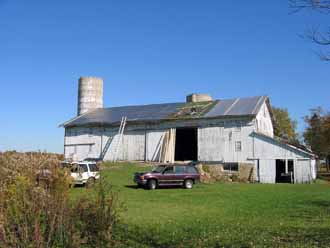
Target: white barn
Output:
[(223, 131)]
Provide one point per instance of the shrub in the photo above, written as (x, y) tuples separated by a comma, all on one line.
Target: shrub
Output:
[(36, 211), (96, 217)]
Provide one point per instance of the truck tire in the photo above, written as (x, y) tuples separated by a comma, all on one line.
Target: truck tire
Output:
[(152, 184), (188, 184), (90, 182)]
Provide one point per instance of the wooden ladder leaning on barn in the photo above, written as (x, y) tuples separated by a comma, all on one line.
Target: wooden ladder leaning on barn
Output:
[(109, 141)]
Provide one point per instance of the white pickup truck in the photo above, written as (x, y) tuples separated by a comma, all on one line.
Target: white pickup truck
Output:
[(84, 173)]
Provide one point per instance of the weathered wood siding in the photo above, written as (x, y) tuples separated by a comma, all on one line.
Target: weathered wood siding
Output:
[(82, 142), (141, 142), (130, 147), (264, 122), (314, 169), (133, 146), (153, 144), (218, 143), (267, 171), (211, 144), (302, 171), (111, 135)]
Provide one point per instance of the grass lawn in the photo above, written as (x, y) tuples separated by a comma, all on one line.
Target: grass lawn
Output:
[(218, 215)]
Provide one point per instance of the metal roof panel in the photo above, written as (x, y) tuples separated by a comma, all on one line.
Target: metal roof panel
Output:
[(133, 113), (229, 107), (238, 106)]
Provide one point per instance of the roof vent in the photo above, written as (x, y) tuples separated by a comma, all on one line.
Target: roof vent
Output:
[(199, 98)]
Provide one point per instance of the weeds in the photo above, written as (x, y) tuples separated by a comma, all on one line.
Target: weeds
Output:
[(36, 211)]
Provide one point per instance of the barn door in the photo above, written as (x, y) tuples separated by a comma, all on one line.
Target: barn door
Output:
[(303, 171)]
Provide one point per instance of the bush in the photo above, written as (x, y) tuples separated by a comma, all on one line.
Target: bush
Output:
[(36, 211), (97, 216)]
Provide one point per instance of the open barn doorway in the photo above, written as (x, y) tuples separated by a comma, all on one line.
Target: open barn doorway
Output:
[(186, 144), (284, 171)]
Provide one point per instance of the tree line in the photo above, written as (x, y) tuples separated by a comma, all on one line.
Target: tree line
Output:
[(316, 134)]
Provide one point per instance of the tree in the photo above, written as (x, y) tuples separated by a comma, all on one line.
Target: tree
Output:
[(320, 38), (284, 126), (317, 133)]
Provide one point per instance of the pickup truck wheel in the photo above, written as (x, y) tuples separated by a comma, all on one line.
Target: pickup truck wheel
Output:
[(90, 182), (152, 184), (188, 184)]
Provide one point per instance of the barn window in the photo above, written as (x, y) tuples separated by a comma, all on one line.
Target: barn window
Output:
[(90, 148), (230, 166), (238, 146)]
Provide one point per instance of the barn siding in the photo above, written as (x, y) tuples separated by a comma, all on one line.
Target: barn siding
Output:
[(82, 142), (153, 144), (133, 146), (302, 171), (218, 143), (314, 169), (267, 171), (211, 145), (113, 136), (151, 133), (264, 122)]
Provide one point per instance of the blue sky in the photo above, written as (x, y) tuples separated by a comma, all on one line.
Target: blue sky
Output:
[(149, 51)]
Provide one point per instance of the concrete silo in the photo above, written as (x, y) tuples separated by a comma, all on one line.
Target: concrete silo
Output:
[(90, 94)]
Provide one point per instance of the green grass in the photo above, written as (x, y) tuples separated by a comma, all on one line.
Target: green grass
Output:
[(218, 215)]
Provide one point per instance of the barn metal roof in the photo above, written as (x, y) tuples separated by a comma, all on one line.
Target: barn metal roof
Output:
[(154, 112), (238, 106)]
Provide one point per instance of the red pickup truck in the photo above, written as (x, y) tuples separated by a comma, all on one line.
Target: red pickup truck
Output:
[(162, 175)]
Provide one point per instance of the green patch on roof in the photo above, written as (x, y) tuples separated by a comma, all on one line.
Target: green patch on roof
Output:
[(193, 110)]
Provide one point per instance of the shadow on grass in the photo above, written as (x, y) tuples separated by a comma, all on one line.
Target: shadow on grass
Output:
[(132, 187), (313, 210), (319, 203), (158, 188)]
